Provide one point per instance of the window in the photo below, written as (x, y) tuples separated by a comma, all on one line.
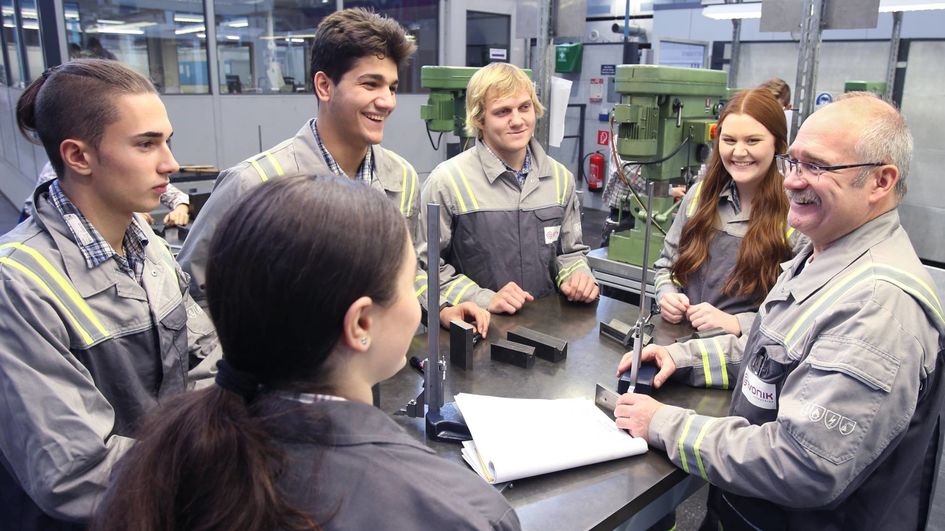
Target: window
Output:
[(265, 48), (11, 41), (157, 38)]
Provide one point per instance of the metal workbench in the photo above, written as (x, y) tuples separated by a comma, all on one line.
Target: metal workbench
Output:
[(619, 275), (593, 497)]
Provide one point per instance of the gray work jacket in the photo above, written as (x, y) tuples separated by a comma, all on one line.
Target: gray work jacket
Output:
[(492, 231), (836, 394), (351, 466), (298, 155), (706, 283), (84, 354)]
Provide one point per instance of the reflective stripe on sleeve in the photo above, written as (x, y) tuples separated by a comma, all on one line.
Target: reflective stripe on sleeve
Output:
[(696, 188), (690, 442)]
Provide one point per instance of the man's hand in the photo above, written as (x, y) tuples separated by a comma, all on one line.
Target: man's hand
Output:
[(180, 215), (673, 307), (704, 316), (654, 353), (634, 413), (509, 299), (469, 312), (580, 287)]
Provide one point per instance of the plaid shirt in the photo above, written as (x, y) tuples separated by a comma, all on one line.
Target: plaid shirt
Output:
[(93, 246), (172, 198), (521, 174), (365, 170)]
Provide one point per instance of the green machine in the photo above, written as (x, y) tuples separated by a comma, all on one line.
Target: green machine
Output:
[(666, 118), (445, 110), (876, 87)]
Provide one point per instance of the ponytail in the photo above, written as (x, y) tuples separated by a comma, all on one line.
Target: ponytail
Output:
[(205, 464)]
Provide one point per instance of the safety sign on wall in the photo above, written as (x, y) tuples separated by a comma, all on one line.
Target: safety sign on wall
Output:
[(596, 90), (603, 137)]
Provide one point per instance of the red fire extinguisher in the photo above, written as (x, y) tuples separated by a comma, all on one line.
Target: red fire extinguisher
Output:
[(595, 174)]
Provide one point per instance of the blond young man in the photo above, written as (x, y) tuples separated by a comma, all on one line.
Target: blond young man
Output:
[(510, 221)]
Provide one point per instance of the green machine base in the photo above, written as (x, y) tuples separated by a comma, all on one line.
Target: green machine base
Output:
[(627, 246)]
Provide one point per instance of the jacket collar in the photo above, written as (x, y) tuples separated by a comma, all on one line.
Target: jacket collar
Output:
[(388, 171), (839, 256), (87, 281)]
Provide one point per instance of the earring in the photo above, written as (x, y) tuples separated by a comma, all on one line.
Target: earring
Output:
[(364, 340)]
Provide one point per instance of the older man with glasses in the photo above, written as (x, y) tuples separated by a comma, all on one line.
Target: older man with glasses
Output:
[(838, 387)]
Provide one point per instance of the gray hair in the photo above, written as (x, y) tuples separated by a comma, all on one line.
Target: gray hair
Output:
[(885, 139)]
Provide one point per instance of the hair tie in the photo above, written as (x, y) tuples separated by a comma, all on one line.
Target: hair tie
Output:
[(240, 382)]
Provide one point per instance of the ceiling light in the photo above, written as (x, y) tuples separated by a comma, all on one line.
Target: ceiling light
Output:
[(109, 21), (196, 28), (187, 17), (732, 11), (888, 6)]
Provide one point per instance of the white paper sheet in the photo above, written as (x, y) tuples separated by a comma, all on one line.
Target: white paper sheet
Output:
[(557, 107), (515, 438)]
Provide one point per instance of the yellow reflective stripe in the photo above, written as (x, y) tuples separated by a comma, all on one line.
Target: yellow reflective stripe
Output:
[(421, 290), (936, 308), (696, 188), (86, 337), (472, 197), (695, 448), (64, 284), (455, 283), (682, 438), (718, 349), (462, 291), (790, 231), (827, 296), (557, 184), (564, 273), (564, 182), (706, 369), (275, 164), (259, 170), (459, 196), (661, 280), (413, 186), (403, 188)]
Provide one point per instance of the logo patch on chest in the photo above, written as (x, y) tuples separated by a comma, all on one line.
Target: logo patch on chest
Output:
[(552, 234), (761, 394)]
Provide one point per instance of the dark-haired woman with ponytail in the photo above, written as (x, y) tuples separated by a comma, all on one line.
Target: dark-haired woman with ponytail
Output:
[(313, 306), (722, 254)]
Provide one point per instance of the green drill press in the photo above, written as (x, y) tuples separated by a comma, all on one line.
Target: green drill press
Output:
[(445, 110), (665, 120)]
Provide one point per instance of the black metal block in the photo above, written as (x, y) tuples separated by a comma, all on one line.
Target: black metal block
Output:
[(463, 339), (615, 330), (546, 347), (514, 353), (644, 380)]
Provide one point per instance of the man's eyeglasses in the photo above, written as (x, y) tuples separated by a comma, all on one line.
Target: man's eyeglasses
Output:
[(787, 166)]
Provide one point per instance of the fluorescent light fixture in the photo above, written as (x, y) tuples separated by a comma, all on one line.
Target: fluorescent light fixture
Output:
[(108, 21), (196, 28), (187, 17), (233, 37), (889, 6), (201, 35), (30, 25), (293, 36), (72, 15), (732, 11), (116, 30), (28, 13), (293, 39), (237, 23)]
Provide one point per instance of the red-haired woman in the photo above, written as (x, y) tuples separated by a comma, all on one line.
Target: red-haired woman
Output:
[(722, 253)]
